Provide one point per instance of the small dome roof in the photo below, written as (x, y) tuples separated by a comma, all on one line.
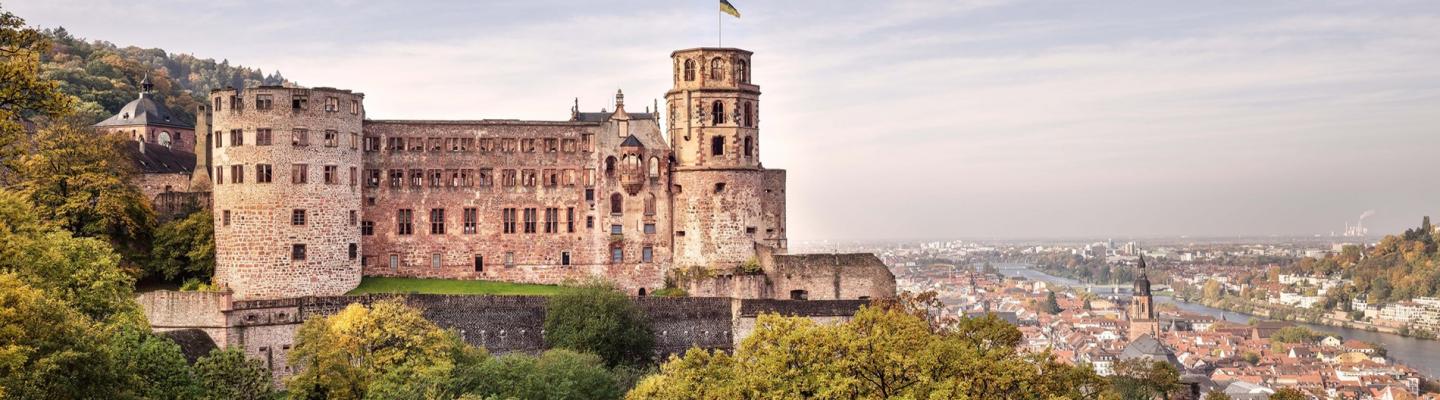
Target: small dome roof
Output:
[(146, 110)]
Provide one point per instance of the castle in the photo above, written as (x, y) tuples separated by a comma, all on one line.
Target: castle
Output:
[(309, 196)]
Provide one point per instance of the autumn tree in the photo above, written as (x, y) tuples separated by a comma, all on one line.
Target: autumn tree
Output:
[(229, 375), (81, 272), (596, 318), (1216, 395), (555, 374), (1144, 379), (185, 248), (1289, 394), (47, 349), (150, 366), (25, 96)]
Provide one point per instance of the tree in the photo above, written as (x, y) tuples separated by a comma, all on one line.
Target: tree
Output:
[(555, 374), (1051, 305), (185, 248), (363, 349), (596, 318), (47, 349), (25, 96), (153, 367), (1144, 379), (82, 272), (1216, 395), (228, 374), (1289, 394), (84, 182)]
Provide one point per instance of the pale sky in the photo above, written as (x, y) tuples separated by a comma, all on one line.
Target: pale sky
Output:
[(914, 118)]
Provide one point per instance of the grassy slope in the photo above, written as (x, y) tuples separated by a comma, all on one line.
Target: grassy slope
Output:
[(371, 284)]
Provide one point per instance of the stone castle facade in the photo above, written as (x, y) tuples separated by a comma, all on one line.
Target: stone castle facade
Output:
[(309, 195)]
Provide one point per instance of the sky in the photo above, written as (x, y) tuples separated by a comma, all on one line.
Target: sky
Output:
[(920, 119)]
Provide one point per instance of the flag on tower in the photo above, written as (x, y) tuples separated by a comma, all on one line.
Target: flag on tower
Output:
[(728, 8)]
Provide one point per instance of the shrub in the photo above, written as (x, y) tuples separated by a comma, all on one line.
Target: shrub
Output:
[(596, 318)]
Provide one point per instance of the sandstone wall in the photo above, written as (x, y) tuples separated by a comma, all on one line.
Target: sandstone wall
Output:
[(255, 231), (831, 276)]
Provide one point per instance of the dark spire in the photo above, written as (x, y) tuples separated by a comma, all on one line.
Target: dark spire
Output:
[(145, 86), (1142, 282)]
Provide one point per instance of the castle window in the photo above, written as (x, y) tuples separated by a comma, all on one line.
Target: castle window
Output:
[(552, 220), (403, 221), (264, 101), (569, 179), (435, 259), (395, 144), (164, 138), (749, 115), (717, 113), (237, 174), (680, 233), (297, 217), (717, 69), (589, 222), (397, 178), (437, 178), (749, 147), (487, 177), (479, 263), (467, 144), (617, 229), (297, 252), (217, 103), (552, 145), (528, 177), (354, 140), (437, 221), (567, 145), (717, 146), (509, 259), (219, 174), (530, 217), (417, 178), (617, 255), (654, 169), (354, 217), (617, 204), (394, 262), (799, 295), (236, 104), (589, 194), (570, 219), (471, 217), (354, 251), (508, 145), (300, 137), (367, 228), (487, 145), (299, 102), (650, 229), (750, 230), (650, 204), (564, 258), (372, 144), (355, 106), (689, 76), (299, 173), (225, 218), (416, 144), (436, 144), (353, 176), (463, 178), (263, 174), (216, 138), (610, 167), (332, 104), (332, 138), (262, 137), (508, 220), (719, 187), (527, 145), (330, 171), (647, 254), (741, 74)]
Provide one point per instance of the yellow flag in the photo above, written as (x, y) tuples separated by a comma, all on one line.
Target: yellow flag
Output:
[(727, 8)]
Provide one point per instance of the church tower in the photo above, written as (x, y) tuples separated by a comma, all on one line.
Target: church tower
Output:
[(728, 209), (1142, 306)]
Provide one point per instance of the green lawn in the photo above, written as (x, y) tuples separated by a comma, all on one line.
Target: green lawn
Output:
[(373, 284)]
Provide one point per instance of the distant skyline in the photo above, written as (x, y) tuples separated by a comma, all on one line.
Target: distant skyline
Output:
[(914, 118)]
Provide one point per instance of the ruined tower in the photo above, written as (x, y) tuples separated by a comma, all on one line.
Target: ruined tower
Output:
[(284, 167), (727, 207)]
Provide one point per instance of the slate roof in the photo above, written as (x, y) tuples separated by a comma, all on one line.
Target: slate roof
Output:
[(146, 110), (1147, 347), (605, 116), (157, 159), (632, 141)]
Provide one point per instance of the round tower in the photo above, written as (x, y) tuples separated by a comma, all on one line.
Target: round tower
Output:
[(284, 169), (727, 207)]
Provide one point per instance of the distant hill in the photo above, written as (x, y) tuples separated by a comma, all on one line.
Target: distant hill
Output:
[(105, 77)]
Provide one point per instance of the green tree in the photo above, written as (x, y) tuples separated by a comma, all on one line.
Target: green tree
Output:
[(1216, 395), (1144, 379), (185, 248), (229, 375), (25, 96), (596, 318), (82, 272), (360, 349), (555, 374), (153, 367), (47, 349), (1289, 394), (84, 182)]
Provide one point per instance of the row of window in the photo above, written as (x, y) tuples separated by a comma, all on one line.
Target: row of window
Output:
[(743, 115), (298, 217), (298, 251), (717, 70), (617, 255), (512, 220), (265, 102), (484, 145), (299, 137), (299, 174), (482, 177)]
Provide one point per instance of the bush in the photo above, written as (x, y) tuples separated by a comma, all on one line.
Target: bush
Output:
[(227, 374), (598, 319), (555, 374)]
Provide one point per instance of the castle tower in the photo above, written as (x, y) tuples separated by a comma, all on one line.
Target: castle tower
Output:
[(727, 208), (1142, 306), (285, 165)]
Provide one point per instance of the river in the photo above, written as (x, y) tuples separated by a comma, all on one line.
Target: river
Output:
[(1423, 355)]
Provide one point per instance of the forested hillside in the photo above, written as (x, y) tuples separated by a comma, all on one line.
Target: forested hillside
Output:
[(1399, 267), (104, 77)]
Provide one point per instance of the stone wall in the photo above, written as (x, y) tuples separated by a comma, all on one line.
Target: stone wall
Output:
[(831, 276), (170, 310), (314, 132)]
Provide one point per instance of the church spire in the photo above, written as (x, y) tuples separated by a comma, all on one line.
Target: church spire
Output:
[(145, 86)]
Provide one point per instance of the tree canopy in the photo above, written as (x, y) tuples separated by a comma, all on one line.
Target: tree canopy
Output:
[(598, 319)]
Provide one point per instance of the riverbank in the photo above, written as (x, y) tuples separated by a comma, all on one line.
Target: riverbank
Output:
[(1292, 314)]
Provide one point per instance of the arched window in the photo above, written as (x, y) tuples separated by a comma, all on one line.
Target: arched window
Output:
[(717, 112), (741, 75), (617, 204), (717, 71), (165, 138), (610, 166), (654, 167), (689, 70), (650, 204), (749, 115), (717, 146), (749, 147)]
